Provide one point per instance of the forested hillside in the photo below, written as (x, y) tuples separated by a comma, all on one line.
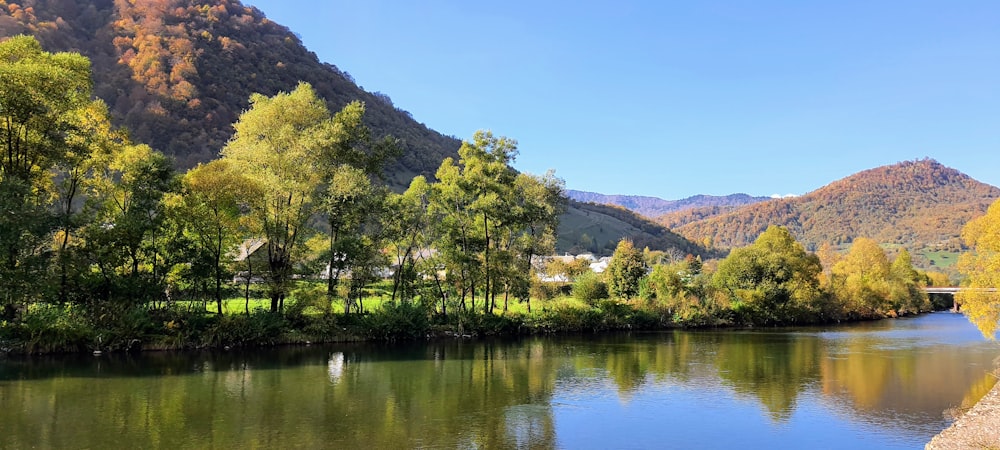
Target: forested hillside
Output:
[(177, 73), (653, 207), (591, 227), (920, 205)]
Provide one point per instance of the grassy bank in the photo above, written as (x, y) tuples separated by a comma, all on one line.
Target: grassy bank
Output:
[(181, 325)]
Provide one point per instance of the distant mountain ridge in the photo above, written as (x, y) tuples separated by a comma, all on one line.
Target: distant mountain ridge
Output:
[(921, 205), (653, 207)]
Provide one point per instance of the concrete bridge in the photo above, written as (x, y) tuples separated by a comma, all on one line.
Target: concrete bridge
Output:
[(952, 291)]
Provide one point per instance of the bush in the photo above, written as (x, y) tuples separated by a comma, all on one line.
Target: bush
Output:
[(398, 320), (260, 327), (50, 328), (589, 288), (548, 290)]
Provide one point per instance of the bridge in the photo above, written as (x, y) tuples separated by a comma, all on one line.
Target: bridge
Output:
[(954, 290)]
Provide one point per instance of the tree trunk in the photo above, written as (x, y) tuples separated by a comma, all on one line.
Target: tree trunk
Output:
[(246, 293)]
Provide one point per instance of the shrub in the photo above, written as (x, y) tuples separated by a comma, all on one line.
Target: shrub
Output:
[(260, 327), (548, 290), (50, 328), (398, 320), (589, 288)]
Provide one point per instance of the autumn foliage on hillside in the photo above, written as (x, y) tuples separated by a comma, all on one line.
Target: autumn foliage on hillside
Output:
[(177, 73), (916, 204)]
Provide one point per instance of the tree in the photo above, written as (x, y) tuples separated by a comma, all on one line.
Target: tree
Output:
[(625, 270), (535, 205), (861, 279), (408, 229), (208, 206), (906, 285), (124, 241), (490, 220), (277, 144), (91, 142), (469, 200), (771, 281), (980, 300), (39, 93), (350, 198)]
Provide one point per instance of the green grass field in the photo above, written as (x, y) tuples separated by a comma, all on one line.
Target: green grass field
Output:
[(942, 259)]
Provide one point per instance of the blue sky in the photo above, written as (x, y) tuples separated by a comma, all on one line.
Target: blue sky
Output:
[(673, 99)]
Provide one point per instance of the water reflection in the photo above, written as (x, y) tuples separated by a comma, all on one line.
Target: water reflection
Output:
[(886, 384)]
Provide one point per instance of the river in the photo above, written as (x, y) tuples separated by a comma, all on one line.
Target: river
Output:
[(886, 384)]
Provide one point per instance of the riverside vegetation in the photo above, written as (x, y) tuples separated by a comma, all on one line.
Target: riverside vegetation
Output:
[(104, 247)]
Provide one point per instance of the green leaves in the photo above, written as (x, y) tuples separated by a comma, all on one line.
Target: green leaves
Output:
[(772, 281)]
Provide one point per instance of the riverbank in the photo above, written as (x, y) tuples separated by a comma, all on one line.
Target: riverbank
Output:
[(979, 428)]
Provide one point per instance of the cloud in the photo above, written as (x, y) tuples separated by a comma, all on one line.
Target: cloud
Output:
[(784, 196)]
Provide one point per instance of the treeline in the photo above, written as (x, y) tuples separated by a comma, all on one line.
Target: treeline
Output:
[(101, 233), (104, 246)]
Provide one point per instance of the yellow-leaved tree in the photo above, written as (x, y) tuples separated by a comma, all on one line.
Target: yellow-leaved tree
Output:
[(981, 266)]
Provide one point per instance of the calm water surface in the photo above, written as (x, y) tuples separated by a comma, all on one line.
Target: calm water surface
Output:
[(888, 384)]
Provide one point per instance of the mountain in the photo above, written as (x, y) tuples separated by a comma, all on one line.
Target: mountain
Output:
[(597, 228), (178, 73), (921, 205), (653, 207)]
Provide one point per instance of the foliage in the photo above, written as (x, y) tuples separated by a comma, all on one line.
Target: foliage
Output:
[(590, 287), (277, 143), (625, 270), (50, 328), (41, 96), (870, 286), (773, 281), (491, 221), (981, 302), (260, 327)]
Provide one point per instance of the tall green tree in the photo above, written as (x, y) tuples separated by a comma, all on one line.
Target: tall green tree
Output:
[(90, 141), (537, 203), (208, 207), (351, 196), (490, 221), (469, 200), (981, 266), (772, 281), (125, 240), (626, 268), (408, 228), (39, 94), (278, 143)]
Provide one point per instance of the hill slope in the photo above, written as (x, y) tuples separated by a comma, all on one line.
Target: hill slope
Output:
[(653, 207), (177, 73), (921, 205), (590, 227)]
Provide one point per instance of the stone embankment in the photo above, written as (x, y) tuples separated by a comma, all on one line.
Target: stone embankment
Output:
[(979, 428)]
